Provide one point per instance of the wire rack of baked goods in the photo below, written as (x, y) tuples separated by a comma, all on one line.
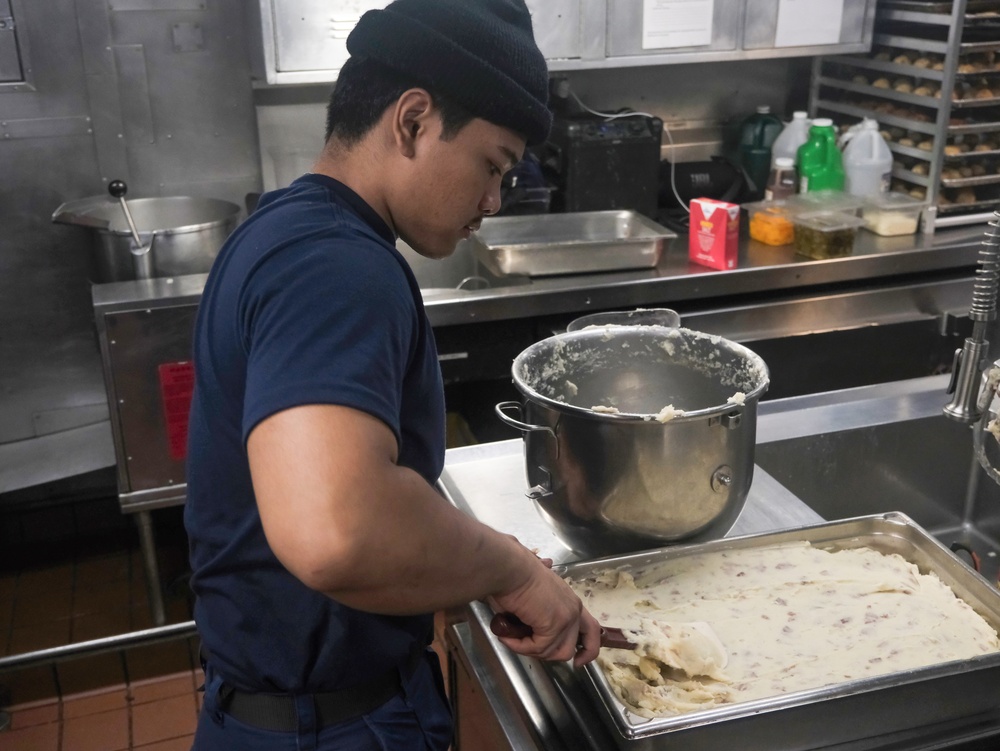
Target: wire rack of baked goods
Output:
[(932, 81)]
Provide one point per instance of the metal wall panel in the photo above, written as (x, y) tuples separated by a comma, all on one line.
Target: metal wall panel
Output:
[(155, 92)]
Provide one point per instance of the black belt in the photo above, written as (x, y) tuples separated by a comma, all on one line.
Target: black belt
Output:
[(277, 712)]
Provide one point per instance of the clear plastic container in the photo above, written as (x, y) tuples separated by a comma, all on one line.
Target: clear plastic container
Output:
[(825, 234), (827, 200), (891, 214), (771, 222)]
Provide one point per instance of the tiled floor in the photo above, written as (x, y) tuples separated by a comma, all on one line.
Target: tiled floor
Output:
[(142, 697), (155, 714)]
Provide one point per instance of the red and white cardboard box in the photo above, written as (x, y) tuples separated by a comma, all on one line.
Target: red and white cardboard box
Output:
[(714, 237)]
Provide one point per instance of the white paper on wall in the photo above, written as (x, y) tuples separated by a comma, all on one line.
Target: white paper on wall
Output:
[(676, 23), (808, 22)]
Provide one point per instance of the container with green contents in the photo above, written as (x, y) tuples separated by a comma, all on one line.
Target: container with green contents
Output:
[(825, 234)]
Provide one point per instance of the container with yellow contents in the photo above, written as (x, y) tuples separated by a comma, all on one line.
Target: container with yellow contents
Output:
[(857, 617), (771, 222)]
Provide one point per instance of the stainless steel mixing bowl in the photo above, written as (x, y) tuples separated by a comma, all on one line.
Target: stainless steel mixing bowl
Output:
[(637, 436)]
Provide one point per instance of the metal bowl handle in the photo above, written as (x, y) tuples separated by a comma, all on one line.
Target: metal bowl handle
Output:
[(517, 424)]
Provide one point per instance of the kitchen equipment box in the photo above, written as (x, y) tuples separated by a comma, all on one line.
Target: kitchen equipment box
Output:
[(833, 714), (574, 243)]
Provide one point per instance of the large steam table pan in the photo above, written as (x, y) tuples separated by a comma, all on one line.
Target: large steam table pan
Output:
[(573, 243), (838, 713)]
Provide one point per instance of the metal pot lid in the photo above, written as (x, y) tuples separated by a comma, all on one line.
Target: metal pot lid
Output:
[(162, 215)]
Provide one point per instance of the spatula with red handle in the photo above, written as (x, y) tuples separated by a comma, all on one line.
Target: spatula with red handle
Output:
[(509, 625)]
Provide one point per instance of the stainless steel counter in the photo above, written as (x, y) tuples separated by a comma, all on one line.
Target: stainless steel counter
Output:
[(535, 702), (761, 268), (546, 706)]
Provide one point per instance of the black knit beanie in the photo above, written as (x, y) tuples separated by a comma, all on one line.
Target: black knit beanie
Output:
[(480, 53)]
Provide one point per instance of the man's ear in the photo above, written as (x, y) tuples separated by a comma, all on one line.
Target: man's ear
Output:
[(410, 119)]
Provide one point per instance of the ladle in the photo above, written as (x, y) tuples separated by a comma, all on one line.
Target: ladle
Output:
[(142, 258)]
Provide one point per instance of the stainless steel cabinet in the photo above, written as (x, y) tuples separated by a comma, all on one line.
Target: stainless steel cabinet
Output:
[(303, 41)]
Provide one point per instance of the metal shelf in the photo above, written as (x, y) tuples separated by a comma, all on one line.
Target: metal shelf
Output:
[(916, 44), (899, 96), (937, 6), (949, 35), (970, 182), (965, 155), (883, 119), (971, 103), (911, 177), (898, 69), (910, 151), (990, 127)]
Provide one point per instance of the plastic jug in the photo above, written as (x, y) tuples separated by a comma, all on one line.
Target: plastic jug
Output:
[(867, 161), (757, 134), (796, 133), (819, 160)]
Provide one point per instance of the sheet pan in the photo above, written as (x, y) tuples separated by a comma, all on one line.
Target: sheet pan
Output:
[(838, 713)]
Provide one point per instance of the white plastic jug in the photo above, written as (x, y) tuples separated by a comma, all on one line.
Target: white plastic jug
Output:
[(793, 135), (867, 162)]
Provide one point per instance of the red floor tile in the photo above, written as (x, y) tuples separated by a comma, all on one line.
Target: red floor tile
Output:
[(107, 597), (95, 570), (155, 689), (174, 744), (105, 731), (159, 721), (48, 579), (39, 636), (95, 702), (32, 608), (36, 738), (30, 715)]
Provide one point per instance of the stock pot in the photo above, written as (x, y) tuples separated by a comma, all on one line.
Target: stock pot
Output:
[(183, 234), (637, 436)]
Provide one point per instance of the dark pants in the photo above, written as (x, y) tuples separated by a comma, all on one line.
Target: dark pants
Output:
[(417, 718)]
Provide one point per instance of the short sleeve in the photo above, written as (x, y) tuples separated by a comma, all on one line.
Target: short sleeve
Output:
[(330, 321)]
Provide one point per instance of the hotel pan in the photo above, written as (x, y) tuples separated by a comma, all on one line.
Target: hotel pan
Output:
[(571, 243), (837, 713)]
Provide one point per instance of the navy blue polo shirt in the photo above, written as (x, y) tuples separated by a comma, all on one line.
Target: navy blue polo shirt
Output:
[(308, 302)]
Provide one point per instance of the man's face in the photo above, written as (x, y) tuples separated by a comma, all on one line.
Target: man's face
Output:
[(453, 184)]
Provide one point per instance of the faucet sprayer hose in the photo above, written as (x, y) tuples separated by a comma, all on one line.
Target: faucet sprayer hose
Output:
[(987, 282)]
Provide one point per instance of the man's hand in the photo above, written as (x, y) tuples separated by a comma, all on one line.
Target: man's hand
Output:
[(561, 627)]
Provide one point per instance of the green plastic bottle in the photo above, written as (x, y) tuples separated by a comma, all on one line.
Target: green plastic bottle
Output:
[(820, 164)]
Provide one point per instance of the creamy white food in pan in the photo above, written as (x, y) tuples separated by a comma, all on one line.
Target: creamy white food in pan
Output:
[(733, 626)]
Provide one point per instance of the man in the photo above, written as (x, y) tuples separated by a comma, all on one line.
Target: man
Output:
[(318, 543)]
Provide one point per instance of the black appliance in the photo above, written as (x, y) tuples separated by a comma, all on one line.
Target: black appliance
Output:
[(596, 164), (716, 178)]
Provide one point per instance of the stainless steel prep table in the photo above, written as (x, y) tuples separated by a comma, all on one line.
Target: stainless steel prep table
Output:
[(505, 701), (144, 324)]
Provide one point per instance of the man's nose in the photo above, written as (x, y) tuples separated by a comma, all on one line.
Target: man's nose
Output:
[(490, 203)]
